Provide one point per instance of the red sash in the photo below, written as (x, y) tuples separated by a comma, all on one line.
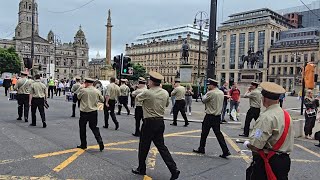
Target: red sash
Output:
[(275, 147)]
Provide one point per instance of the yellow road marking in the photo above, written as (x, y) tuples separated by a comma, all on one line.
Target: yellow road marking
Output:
[(152, 158), (147, 177), (236, 148), (308, 150), (181, 133), (55, 153), (210, 137), (121, 149), (68, 161)]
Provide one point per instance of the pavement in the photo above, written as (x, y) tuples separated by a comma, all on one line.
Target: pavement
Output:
[(38, 153)]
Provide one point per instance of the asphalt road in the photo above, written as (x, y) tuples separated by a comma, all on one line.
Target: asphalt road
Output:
[(34, 152)]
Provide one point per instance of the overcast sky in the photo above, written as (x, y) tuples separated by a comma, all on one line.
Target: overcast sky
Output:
[(129, 17)]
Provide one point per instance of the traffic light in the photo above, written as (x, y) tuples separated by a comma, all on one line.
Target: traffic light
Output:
[(126, 68), (27, 63), (116, 62)]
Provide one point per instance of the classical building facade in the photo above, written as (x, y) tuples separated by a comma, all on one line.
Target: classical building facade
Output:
[(160, 51), (95, 67), (64, 60), (256, 30), (289, 53)]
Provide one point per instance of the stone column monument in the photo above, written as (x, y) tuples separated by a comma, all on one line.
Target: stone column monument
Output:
[(107, 71)]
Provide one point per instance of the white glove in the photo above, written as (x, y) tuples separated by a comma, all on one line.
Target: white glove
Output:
[(245, 144)]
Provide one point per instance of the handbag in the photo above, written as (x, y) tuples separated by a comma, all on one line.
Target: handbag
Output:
[(311, 112), (46, 105)]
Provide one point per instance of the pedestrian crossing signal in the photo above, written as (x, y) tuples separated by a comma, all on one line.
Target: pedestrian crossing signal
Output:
[(126, 65)]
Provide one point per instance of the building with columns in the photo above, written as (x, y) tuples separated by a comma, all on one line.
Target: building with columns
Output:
[(257, 30), (289, 53), (95, 67), (67, 59), (160, 50)]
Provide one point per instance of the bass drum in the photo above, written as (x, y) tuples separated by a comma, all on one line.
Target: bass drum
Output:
[(97, 84)]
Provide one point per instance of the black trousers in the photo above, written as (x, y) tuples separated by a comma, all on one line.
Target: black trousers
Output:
[(253, 113), (212, 121), (23, 105), (92, 118), (281, 102), (138, 115), (132, 100), (123, 100), (309, 124), (50, 91), (75, 100), (6, 90), (179, 106), (280, 165), (37, 103), (58, 91), (152, 131), (110, 110)]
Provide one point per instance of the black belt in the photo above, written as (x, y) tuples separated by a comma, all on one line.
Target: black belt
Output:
[(254, 107), (153, 118)]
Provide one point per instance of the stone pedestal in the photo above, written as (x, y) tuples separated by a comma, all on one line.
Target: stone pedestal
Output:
[(107, 72), (186, 73), (247, 76)]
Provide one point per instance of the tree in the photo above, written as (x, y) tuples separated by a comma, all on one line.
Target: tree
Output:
[(138, 71), (9, 61)]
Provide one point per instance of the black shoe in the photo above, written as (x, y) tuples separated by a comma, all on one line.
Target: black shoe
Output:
[(101, 146), (106, 127), (32, 125), (318, 145), (25, 120), (119, 113), (82, 147), (128, 113), (44, 125), (73, 116), (19, 118), (243, 135), (173, 124), (135, 134), (186, 125), (199, 151), (175, 175), (136, 171), (225, 155), (117, 126)]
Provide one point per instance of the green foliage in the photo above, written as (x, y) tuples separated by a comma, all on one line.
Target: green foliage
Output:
[(138, 71), (9, 61)]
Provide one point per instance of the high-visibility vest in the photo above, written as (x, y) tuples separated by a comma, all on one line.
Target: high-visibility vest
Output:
[(51, 82)]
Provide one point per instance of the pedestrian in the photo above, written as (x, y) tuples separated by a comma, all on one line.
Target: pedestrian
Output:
[(51, 87), (199, 94), (254, 96), (180, 104), (14, 81), (281, 99), (67, 87), (188, 96), (123, 99), (75, 90), (310, 113), (272, 138), (111, 94), (22, 87), (234, 95), (63, 88), (132, 98), (138, 114), (173, 100), (59, 88), (154, 102), (213, 101), (7, 83), (38, 96), (89, 97), (225, 90)]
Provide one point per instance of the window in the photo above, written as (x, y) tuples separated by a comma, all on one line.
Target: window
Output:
[(242, 40), (224, 37), (285, 58), (312, 57), (306, 57), (273, 71), (223, 66), (285, 70), (273, 59), (65, 71), (251, 40), (233, 39), (223, 60), (291, 71), (261, 44), (279, 70), (292, 58), (280, 58), (223, 52)]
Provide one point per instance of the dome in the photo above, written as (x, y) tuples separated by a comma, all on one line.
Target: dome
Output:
[(80, 33)]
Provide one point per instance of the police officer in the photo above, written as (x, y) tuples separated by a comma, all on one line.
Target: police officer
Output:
[(75, 90), (51, 88), (123, 99), (89, 97), (254, 96), (138, 114), (213, 101), (180, 104), (154, 102), (112, 93), (38, 95), (22, 87), (272, 138)]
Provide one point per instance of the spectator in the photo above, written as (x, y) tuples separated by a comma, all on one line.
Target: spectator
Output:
[(59, 88), (234, 94), (173, 100), (188, 98), (225, 91), (310, 113), (13, 81), (7, 83)]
